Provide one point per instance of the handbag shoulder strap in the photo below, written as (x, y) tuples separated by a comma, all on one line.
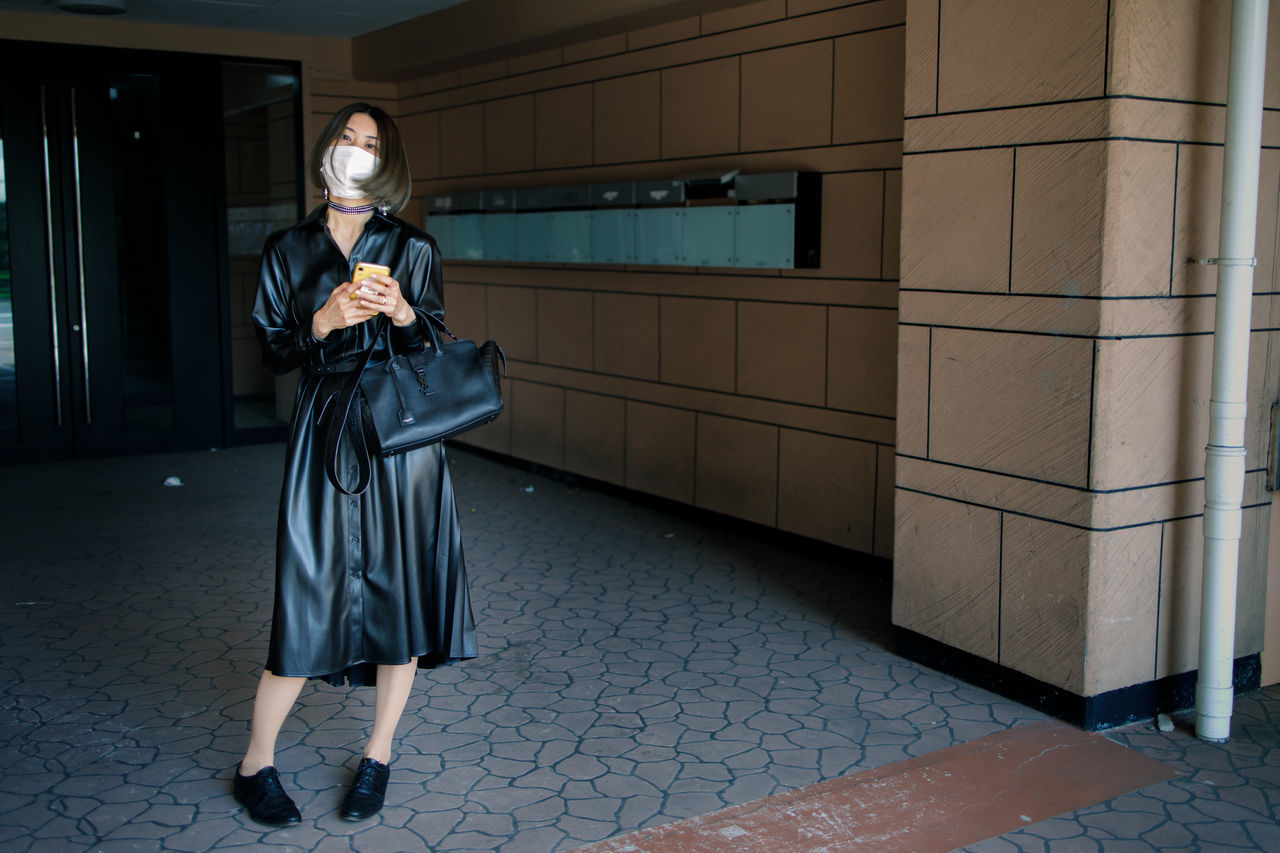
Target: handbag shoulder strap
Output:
[(433, 320), (345, 414)]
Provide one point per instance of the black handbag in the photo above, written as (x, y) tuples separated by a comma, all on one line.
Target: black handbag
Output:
[(412, 400)]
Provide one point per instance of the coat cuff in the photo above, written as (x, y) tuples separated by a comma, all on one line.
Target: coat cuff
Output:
[(408, 338), (306, 341), (309, 345)]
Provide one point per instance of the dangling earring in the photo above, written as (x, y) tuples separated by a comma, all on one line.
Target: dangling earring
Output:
[(326, 193)]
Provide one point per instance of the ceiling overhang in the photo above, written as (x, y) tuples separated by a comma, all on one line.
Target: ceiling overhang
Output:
[(481, 31)]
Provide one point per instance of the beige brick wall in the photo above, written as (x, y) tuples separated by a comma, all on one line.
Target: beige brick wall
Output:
[(1062, 161), (764, 395)]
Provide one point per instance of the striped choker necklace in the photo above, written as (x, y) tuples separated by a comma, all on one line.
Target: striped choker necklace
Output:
[(342, 208)]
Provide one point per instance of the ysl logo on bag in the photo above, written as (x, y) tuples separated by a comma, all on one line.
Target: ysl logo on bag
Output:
[(420, 373)]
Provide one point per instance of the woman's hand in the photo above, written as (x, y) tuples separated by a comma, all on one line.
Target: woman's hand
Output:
[(383, 296), (352, 304)]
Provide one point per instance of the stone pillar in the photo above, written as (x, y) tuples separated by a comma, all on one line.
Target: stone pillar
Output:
[(1062, 161)]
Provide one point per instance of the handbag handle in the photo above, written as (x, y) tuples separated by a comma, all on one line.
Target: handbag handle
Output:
[(345, 415)]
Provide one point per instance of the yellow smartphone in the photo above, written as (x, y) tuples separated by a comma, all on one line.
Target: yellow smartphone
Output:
[(364, 270)]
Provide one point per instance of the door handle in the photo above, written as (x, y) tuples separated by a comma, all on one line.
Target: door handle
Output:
[(84, 314), (52, 272)]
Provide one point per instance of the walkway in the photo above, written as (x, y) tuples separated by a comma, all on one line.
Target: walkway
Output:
[(637, 668)]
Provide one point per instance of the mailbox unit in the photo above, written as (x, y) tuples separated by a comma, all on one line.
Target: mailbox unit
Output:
[(770, 221)]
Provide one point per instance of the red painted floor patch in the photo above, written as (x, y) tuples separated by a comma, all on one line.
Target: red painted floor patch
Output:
[(939, 801)]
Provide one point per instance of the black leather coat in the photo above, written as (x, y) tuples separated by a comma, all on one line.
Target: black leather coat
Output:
[(376, 578)]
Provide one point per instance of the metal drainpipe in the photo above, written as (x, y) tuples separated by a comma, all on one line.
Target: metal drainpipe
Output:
[(1225, 454)]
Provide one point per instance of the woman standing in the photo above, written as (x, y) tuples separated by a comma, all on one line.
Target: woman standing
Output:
[(371, 587)]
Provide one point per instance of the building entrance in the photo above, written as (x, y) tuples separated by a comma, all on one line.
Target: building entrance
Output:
[(113, 252)]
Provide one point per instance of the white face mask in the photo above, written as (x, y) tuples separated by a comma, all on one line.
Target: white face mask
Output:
[(344, 167)]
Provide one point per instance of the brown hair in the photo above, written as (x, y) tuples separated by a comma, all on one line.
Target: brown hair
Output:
[(390, 185)]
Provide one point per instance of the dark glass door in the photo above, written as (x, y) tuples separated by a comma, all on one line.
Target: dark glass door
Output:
[(111, 164)]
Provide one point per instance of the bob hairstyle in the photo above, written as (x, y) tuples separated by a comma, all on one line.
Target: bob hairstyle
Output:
[(390, 185)]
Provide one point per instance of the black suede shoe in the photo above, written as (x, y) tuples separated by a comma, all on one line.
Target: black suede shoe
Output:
[(264, 798), (369, 788)]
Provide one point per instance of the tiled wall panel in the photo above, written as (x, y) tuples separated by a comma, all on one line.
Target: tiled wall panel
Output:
[(1152, 410), (626, 334), (594, 435), (946, 579), (627, 118), (1058, 201), (808, 7), (996, 53), (1043, 593), (1122, 611), (700, 108), (1144, 65), (853, 221), (782, 351), (737, 468), (699, 343), (821, 489), (595, 48), (496, 436), (480, 73), (1066, 620), (508, 134), (467, 311), (565, 335), (685, 28), (1138, 219), (512, 314), (424, 158), (660, 450), (956, 212), (461, 141), (913, 390), (537, 423), (564, 127), (1198, 219), (890, 256), (869, 72), (862, 373), (789, 94), (1017, 404), (884, 511), (920, 90), (535, 61), (746, 15)]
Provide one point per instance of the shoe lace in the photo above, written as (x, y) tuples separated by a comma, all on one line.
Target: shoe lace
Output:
[(366, 773), (271, 786)]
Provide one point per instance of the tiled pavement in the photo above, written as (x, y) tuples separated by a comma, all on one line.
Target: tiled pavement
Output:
[(636, 668)]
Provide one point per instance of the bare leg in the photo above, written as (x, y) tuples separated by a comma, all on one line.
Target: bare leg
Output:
[(394, 684), (276, 695)]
